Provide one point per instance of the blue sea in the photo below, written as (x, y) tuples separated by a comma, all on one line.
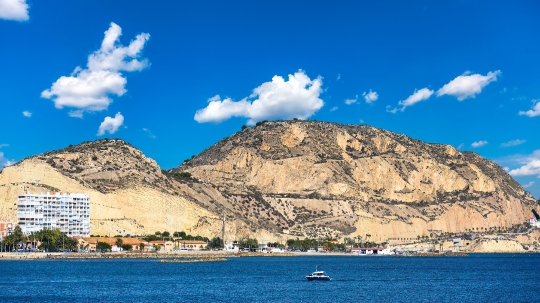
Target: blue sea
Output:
[(476, 278)]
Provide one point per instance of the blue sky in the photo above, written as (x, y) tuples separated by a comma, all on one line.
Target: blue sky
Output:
[(173, 77)]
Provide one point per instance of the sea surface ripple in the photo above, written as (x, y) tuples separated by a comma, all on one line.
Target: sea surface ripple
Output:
[(476, 278)]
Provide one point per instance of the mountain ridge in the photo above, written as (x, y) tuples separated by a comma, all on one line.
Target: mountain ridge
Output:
[(309, 162), (282, 179)]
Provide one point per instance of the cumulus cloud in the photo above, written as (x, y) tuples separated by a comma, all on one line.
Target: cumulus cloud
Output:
[(27, 114), (90, 89), (530, 169), (534, 112), (296, 98), (370, 97), (467, 85), (528, 165), (14, 10), (418, 95), (479, 144), (110, 125), (351, 101), (5, 162), (513, 143)]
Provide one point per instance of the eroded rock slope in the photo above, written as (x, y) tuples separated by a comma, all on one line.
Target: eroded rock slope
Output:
[(129, 192), (329, 180)]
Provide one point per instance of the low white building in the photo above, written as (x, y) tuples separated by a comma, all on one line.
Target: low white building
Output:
[(232, 247), (372, 251), (68, 212)]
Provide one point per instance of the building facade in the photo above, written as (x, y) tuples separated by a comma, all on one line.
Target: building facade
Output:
[(5, 229), (68, 212)]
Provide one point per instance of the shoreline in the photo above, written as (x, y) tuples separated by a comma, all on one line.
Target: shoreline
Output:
[(218, 254)]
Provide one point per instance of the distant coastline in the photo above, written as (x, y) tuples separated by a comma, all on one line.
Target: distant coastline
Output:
[(220, 254)]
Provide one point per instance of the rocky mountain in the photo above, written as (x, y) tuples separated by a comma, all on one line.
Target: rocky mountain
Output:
[(129, 192), (322, 179), (281, 179)]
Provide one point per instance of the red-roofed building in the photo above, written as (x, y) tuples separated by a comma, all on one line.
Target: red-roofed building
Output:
[(90, 244), (191, 244)]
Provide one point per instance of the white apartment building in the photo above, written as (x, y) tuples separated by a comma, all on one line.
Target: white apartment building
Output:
[(68, 212)]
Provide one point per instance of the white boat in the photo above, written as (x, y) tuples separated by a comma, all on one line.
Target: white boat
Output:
[(318, 275)]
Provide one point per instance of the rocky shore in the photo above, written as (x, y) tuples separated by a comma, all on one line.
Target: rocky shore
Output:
[(137, 255)]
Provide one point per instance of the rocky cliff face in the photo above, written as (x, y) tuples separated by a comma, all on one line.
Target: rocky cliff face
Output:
[(304, 178), (330, 180), (129, 193)]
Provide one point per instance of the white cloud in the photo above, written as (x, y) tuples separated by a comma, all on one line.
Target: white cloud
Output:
[(334, 108), (418, 95), (461, 146), (5, 162), (389, 109), (530, 164), (479, 144), (14, 10), (534, 112), (530, 169), (296, 98), (513, 143), (467, 85), (4, 145), (110, 125), (371, 96), (90, 89), (528, 184), (351, 101), (27, 114), (338, 77), (149, 133), (219, 111)]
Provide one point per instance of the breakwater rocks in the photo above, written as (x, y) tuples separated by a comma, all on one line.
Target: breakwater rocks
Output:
[(260, 254), (452, 254), (192, 260), (204, 256), (136, 255)]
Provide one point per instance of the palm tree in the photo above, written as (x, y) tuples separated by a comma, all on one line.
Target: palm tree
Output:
[(359, 238), (17, 236), (348, 241), (119, 242), (141, 247)]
